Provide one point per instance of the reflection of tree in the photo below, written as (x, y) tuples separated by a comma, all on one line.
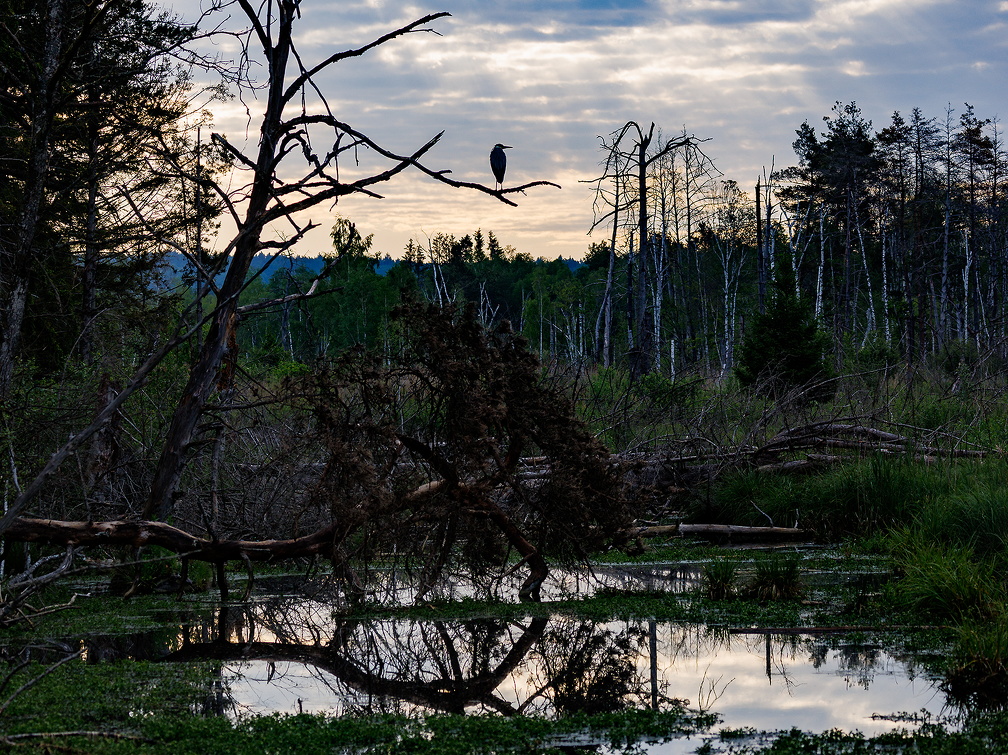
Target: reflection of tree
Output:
[(857, 662), (550, 666), (555, 666), (591, 669), (443, 666), (862, 660)]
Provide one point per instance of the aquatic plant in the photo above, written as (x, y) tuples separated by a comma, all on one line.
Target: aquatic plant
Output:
[(977, 676), (776, 578), (976, 518), (945, 582), (719, 579)]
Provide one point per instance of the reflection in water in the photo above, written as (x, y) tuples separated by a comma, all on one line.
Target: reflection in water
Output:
[(400, 588), (291, 654)]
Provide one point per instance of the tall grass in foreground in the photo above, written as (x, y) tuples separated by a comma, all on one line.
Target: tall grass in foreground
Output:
[(978, 670), (976, 518), (953, 551), (952, 556)]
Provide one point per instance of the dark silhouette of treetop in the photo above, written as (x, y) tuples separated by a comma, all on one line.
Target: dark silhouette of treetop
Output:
[(784, 348)]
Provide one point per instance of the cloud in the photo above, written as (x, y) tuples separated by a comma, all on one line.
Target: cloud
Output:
[(550, 77)]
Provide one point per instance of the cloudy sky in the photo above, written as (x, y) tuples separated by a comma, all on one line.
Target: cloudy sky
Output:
[(549, 77)]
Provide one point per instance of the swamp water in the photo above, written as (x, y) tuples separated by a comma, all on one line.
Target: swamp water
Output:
[(291, 653), (562, 665)]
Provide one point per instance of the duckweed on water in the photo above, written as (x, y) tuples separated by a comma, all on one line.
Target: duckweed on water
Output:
[(447, 734), (165, 702)]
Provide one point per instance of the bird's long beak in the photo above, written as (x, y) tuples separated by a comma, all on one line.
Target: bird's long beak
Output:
[(505, 146)]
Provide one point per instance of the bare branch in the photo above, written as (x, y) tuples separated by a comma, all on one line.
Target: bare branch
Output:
[(409, 28)]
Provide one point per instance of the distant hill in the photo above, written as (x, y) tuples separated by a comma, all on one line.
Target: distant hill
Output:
[(177, 263)]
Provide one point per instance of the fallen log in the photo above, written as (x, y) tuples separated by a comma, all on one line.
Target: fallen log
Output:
[(720, 532), (811, 463), (137, 534)]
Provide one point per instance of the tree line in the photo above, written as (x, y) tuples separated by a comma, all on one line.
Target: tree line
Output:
[(892, 240)]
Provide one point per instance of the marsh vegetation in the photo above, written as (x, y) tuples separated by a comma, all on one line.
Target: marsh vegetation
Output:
[(469, 500)]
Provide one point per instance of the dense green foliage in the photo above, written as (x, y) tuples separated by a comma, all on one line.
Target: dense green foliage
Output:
[(785, 349)]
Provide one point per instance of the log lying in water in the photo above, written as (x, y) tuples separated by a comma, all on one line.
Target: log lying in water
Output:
[(721, 532), (142, 533)]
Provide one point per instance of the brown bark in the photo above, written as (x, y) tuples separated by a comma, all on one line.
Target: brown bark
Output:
[(136, 534), (718, 532), (529, 592)]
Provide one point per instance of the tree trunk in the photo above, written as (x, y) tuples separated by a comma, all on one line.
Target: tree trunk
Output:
[(222, 335), (760, 265), (16, 275), (139, 533), (89, 294)]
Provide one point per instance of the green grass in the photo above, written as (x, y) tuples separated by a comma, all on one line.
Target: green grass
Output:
[(946, 583), (842, 501), (977, 674), (776, 578), (976, 518)]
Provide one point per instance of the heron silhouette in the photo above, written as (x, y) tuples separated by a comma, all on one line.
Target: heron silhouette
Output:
[(498, 163)]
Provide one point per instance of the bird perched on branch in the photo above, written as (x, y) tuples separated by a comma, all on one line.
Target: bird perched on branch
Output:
[(498, 163)]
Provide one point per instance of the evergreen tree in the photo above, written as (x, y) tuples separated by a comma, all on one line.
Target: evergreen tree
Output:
[(785, 348)]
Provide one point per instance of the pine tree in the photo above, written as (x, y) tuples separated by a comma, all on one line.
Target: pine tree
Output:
[(785, 348)]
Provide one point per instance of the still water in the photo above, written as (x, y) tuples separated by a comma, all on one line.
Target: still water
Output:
[(291, 654)]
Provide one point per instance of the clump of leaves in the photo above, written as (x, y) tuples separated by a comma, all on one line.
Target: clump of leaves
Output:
[(429, 450)]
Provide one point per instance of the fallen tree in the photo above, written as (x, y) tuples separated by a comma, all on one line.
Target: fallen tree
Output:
[(140, 534), (416, 462), (681, 465), (720, 532)]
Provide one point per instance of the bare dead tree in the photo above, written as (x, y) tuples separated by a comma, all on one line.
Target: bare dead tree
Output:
[(628, 168), (19, 590), (287, 127)]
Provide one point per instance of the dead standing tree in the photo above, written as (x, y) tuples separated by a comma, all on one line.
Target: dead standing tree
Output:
[(271, 199), (624, 166)]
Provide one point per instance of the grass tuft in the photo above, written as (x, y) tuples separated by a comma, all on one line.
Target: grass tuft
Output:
[(776, 578), (945, 582), (719, 579)]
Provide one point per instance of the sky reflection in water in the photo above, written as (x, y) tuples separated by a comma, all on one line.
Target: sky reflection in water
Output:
[(564, 664)]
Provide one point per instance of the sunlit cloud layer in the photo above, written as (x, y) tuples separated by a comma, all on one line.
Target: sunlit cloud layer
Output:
[(550, 77)]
